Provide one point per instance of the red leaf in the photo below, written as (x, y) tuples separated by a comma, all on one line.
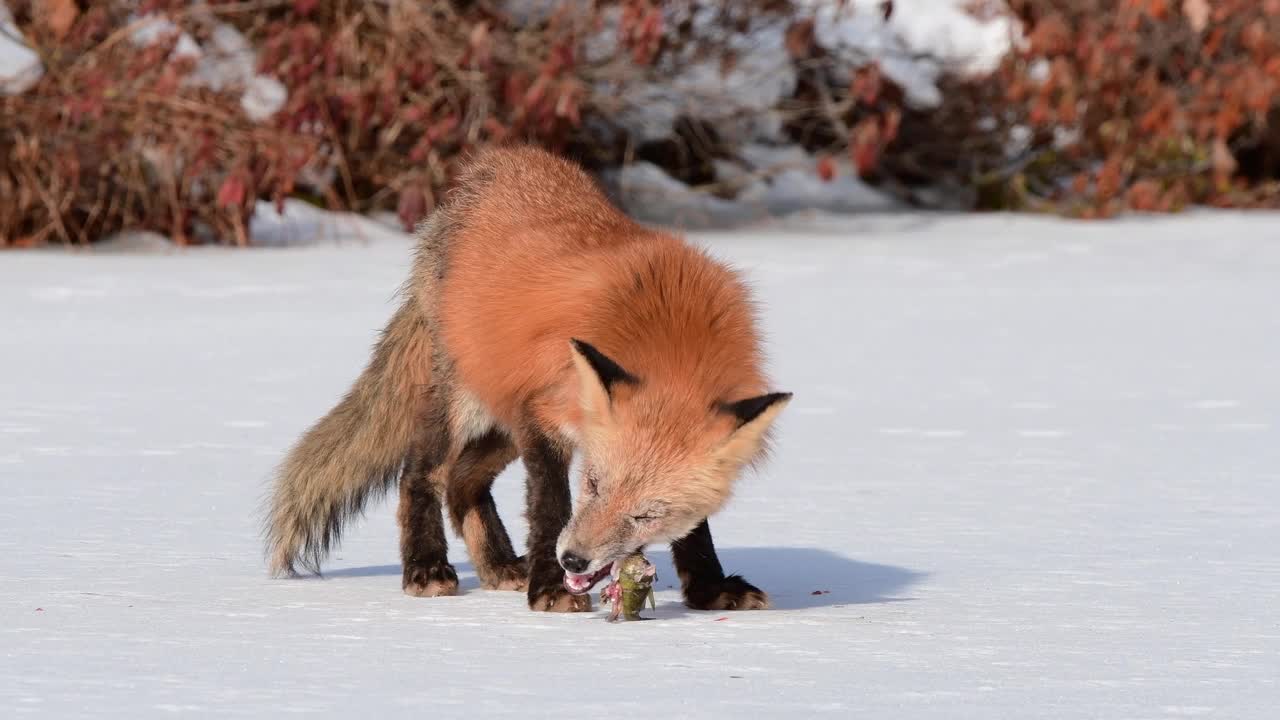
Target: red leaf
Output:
[(800, 39), (1254, 36), (864, 148), (514, 88), (495, 129), (420, 150), (1110, 177), (1080, 183), (1224, 162), (442, 128), (826, 169), (59, 16), (1144, 195), (412, 206), (559, 59), (892, 121), (866, 84), (232, 192), (567, 103), (534, 94), (1050, 36), (481, 44)]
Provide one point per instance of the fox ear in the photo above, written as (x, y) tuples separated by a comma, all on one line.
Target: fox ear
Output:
[(597, 376), (755, 416), (751, 408)]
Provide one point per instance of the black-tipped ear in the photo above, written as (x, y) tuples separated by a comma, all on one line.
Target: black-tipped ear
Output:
[(606, 369), (747, 410)]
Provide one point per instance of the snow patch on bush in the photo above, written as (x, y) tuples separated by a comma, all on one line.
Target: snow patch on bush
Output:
[(263, 97), (20, 66), (685, 84), (775, 182), (225, 62), (918, 40), (912, 47)]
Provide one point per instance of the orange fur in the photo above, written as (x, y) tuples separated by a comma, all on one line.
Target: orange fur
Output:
[(517, 291)]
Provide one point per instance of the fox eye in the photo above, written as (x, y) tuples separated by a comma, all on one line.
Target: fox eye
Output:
[(593, 484), (651, 513)]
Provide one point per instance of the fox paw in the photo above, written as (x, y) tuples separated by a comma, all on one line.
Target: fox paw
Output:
[(430, 581), (558, 599), (511, 575), (731, 593)]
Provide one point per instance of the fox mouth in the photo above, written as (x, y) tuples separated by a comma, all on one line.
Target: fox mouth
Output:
[(581, 583)]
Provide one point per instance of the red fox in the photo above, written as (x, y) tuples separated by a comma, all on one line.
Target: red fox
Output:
[(539, 322)]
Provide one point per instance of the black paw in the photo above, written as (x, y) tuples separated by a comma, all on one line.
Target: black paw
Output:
[(730, 593), (510, 575), (547, 592), (430, 580), (557, 599)]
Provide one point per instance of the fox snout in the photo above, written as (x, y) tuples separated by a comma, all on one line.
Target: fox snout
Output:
[(578, 558), (596, 536), (589, 543), (584, 568), (574, 562)]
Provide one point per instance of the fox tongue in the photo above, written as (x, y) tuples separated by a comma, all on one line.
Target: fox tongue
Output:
[(579, 583)]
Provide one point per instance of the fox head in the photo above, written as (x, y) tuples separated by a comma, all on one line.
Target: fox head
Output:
[(658, 457)]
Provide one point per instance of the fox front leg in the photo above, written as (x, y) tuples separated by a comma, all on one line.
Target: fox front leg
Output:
[(548, 510), (703, 581)]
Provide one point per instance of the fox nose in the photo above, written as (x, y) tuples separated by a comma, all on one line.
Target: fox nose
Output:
[(573, 562)]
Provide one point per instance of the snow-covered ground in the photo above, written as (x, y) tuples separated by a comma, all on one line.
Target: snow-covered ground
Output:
[(1032, 465)]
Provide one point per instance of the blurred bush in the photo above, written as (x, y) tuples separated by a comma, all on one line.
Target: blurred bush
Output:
[(180, 117), (129, 127), (1140, 104)]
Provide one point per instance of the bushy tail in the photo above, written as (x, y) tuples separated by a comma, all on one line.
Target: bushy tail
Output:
[(353, 453)]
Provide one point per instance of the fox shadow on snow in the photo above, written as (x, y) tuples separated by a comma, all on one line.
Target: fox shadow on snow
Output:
[(791, 575)]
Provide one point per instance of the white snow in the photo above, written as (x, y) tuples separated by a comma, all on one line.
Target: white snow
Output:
[(778, 182), (920, 40), (263, 97), (1035, 463), (152, 29), (20, 66)]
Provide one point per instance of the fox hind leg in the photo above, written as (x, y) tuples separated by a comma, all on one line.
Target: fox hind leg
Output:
[(424, 551), (475, 516)]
